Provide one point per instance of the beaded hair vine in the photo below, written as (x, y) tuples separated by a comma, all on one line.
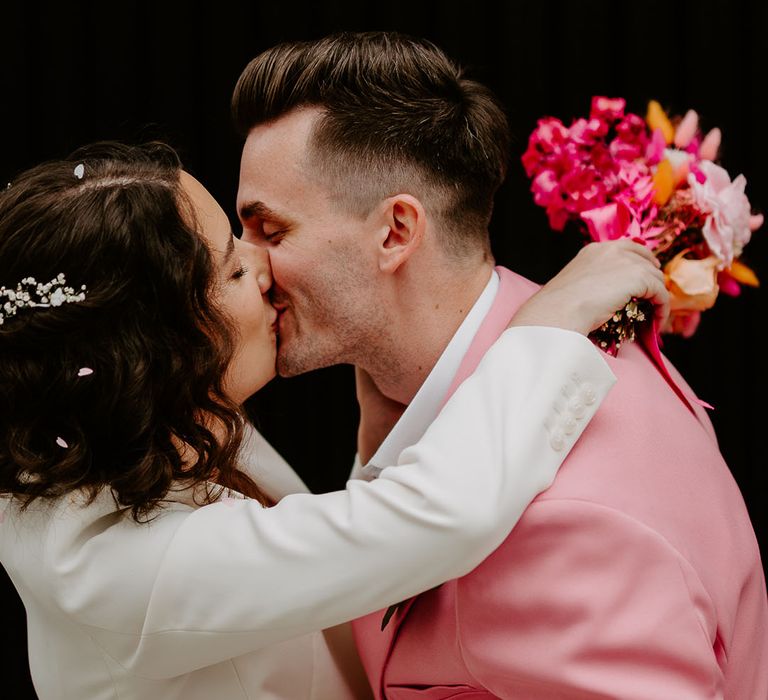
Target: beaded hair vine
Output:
[(31, 294)]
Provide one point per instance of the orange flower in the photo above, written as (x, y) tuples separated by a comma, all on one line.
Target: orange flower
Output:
[(657, 118), (692, 284), (663, 183), (743, 274)]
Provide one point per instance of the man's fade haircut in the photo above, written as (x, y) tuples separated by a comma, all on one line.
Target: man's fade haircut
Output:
[(398, 115)]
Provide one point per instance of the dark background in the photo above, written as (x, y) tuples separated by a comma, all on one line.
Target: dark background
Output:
[(80, 71)]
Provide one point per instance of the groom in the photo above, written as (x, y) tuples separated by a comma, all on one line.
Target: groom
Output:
[(369, 172)]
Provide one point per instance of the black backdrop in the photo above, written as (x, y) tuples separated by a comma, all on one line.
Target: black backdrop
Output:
[(79, 71)]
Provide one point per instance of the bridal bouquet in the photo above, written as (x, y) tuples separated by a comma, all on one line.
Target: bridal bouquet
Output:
[(653, 180)]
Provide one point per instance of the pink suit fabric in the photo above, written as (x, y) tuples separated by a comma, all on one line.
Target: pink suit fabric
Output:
[(636, 575)]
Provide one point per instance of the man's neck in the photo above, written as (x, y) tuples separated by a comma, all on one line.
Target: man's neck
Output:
[(422, 331)]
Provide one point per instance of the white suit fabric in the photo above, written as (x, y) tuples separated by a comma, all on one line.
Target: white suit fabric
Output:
[(226, 601)]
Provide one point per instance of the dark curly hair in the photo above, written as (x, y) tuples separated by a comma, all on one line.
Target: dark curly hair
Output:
[(157, 344)]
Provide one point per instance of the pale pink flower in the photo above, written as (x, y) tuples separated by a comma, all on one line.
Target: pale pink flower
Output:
[(710, 145), (726, 229), (686, 130)]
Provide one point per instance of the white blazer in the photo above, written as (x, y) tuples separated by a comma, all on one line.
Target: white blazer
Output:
[(227, 601)]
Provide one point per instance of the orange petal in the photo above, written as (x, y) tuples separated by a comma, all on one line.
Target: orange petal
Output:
[(657, 119), (663, 182), (742, 274)]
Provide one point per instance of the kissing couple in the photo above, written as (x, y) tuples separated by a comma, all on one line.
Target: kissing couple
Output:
[(528, 517)]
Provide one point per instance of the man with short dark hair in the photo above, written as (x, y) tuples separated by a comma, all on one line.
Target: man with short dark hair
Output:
[(368, 172)]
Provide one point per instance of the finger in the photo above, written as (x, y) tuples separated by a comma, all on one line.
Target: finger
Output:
[(661, 302), (645, 252), (637, 248)]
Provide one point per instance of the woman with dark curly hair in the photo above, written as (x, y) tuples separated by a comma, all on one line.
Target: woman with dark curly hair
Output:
[(135, 516)]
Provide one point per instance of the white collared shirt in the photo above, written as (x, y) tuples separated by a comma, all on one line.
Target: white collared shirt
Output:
[(428, 400)]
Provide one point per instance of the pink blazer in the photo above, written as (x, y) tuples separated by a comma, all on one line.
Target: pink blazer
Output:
[(636, 575)]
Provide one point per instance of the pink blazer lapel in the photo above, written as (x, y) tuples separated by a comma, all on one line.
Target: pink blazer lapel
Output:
[(513, 292)]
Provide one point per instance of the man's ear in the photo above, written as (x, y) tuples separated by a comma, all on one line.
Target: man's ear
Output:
[(403, 223)]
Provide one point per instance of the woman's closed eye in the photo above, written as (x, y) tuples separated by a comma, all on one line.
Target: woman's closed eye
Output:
[(240, 272)]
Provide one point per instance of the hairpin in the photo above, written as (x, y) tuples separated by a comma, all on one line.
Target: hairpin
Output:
[(30, 293)]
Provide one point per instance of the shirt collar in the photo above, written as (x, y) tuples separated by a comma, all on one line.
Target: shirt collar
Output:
[(428, 400)]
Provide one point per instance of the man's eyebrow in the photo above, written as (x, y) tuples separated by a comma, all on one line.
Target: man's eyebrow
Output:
[(250, 210)]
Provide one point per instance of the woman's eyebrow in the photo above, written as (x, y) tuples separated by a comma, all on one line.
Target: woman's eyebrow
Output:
[(230, 247)]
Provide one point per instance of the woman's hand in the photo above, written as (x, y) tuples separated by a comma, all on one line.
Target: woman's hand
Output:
[(599, 281)]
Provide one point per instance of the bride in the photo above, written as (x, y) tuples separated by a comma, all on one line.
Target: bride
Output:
[(143, 522)]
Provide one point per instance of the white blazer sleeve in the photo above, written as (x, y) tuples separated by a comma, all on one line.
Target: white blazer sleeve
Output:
[(231, 577)]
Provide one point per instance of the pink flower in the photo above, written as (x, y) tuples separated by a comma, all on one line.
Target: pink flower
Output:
[(631, 139), (682, 323), (587, 132), (584, 189), (558, 216), (548, 194), (726, 229), (710, 145), (686, 130), (610, 222), (545, 188), (728, 285), (607, 108), (548, 138), (601, 159), (656, 146)]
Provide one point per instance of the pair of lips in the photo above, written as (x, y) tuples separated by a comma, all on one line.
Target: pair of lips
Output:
[(275, 325)]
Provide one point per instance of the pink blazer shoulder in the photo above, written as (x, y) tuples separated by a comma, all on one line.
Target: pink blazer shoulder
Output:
[(636, 575)]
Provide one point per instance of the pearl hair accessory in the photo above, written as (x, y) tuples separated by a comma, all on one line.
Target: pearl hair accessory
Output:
[(30, 294)]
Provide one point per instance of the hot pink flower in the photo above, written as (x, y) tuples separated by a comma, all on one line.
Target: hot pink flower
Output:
[(610, 222), (545, 188), (548, 138), (587, 132), (584, 188), (607, 108), (727, 284), (631, 139), (656, 146)]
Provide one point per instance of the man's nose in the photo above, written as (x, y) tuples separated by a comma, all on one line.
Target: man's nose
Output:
[(263, 269)]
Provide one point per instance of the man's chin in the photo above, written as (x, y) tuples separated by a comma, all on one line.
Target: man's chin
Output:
[(287, 364), (291, 364)]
